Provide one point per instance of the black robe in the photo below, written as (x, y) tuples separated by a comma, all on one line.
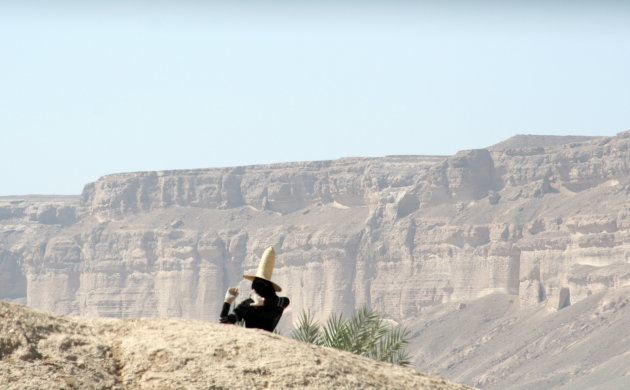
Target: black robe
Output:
[(262, 317)]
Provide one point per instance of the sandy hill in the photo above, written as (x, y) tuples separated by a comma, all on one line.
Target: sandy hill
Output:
[(45, 352)]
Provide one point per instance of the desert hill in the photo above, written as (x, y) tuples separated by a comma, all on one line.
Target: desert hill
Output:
[(537, 225), (45, 352)]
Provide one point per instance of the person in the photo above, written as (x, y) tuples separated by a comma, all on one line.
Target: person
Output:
[(264, 308)]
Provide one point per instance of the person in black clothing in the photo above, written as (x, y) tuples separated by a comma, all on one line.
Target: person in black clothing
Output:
[(264, 308)]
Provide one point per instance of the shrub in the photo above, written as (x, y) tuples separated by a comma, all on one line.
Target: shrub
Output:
[(365, 333)]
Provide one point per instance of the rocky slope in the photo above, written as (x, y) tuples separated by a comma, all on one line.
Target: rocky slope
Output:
[(496, 344), (543, 221), (50, 352)]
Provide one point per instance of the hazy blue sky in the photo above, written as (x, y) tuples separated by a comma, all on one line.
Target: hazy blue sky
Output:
[(89, 88)]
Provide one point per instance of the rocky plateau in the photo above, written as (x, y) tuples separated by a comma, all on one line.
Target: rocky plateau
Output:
[(496, 259)]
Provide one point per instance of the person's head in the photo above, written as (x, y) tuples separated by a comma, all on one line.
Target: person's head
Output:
[(264, 288)]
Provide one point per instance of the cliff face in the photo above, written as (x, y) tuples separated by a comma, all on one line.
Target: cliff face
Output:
[(547, 225), (26, 224)]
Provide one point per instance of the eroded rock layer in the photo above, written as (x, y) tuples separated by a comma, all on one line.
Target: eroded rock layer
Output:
[(544, 220)]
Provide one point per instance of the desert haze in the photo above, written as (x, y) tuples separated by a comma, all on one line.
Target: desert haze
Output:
[(509, 265)]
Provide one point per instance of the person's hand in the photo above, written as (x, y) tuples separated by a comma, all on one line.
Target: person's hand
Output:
[(258, 300), (231, 294)]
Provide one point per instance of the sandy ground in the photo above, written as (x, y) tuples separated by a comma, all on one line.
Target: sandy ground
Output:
[(45, 352)]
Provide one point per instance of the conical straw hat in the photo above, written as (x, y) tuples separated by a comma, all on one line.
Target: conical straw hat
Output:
[(265, 268)]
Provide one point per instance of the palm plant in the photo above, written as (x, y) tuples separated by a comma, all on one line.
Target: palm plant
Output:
[(365, 333)]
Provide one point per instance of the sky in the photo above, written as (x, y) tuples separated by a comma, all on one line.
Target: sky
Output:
[(90, 88)]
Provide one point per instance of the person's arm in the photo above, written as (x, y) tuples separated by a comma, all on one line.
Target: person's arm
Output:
[(225, 317), (283, 302)]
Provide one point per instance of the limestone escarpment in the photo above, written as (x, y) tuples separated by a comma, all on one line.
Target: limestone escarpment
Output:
[(545, 224), (283, 188), (26, 223), (441, 229), (44, 210)]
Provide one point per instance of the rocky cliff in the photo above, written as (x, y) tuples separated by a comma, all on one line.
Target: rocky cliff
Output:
[(543, 220)]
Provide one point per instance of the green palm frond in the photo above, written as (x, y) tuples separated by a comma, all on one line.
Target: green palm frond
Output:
[(365, 333), (335, 333), (308, 330), (391, 347)]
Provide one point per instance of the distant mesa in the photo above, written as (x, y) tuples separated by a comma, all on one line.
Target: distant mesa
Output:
[(521, 141), (457, 248)]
